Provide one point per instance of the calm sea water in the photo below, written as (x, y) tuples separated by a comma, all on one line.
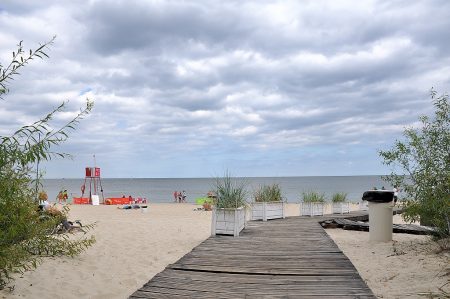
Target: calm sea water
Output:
[(161, 190)]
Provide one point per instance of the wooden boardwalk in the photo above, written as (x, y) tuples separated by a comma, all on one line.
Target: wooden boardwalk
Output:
[(283, 258), (364, 226)]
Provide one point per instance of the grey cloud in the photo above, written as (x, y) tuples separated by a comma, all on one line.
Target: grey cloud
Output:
[(234, 73), (24, 6), (168, 27)]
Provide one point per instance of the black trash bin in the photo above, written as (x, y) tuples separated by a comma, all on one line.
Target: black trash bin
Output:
[(380, 214)]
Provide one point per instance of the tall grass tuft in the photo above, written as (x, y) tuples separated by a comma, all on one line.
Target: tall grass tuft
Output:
[(230, 193), (339, 197), (313, 196), (268, 193)]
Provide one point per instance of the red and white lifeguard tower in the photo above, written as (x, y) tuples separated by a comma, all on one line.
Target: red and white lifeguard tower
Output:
[(94, 181)]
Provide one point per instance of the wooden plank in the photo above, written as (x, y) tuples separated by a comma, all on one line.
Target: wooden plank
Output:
[(262, 285), (364, 226), (184, 277), (283, 258)]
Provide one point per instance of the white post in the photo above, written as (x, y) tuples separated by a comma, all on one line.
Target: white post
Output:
[(213, 223), (264, 206), (236, 223), (245, 216)]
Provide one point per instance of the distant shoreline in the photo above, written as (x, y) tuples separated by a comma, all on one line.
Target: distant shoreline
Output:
[(213, 177), (162, 189)]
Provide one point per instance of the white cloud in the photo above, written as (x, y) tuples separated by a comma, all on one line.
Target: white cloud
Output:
[(228, 79)]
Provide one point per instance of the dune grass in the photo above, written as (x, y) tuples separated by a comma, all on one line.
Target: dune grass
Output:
[(230, 193), (268, 193), (313, 196), (339, 197)]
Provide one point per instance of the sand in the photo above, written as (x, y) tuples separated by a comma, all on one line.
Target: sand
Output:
[(407, 267), (133, 246)]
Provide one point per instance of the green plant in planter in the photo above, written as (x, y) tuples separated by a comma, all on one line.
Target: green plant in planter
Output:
[(313, 196), (230, 193), (339, 197), (268, 193)]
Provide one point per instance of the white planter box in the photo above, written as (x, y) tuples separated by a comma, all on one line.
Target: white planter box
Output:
[(312, 208), (364, 205), (341, 207), (228, 221), (267, 210)]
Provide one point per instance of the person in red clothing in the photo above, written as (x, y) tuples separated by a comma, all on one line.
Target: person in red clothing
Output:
[(60, 196), (175, 196)]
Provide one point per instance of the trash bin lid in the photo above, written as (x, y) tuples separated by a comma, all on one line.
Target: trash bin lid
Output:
[(378, 196)]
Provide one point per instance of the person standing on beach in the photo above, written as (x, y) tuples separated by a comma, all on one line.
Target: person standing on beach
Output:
[(175, 196), (395, 194), (183, 196), (60, 196), (65, 196)]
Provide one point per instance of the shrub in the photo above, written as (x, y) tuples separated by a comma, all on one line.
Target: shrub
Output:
[(339, 197), (230, 193), (424, 155), (27, 234), (313, 196), (268, 193)]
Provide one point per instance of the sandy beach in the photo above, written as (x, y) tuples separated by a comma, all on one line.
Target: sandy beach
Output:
[(132, 246)]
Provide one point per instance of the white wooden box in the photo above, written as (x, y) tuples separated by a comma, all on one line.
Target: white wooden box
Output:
[(364, 205), (312, 208), (267, 210), (228, 221), (341, 207)]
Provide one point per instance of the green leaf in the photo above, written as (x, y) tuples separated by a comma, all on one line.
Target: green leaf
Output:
[(25, 237)]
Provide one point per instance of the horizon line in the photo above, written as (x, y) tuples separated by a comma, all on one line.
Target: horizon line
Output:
[(281, 176)]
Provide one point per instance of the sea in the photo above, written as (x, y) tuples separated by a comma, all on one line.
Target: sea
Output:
[(160, 190)]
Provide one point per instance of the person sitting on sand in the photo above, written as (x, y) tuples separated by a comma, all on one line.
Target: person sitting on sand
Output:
[(65, 226), (44, 205), (43, 201)]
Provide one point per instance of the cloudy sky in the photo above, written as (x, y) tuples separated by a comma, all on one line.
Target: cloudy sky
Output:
[(261, 88)]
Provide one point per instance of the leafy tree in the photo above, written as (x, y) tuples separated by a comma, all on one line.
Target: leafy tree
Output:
[(27, 234), (424, 157)]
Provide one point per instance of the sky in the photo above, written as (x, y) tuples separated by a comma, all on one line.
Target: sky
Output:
[(256, 88)]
